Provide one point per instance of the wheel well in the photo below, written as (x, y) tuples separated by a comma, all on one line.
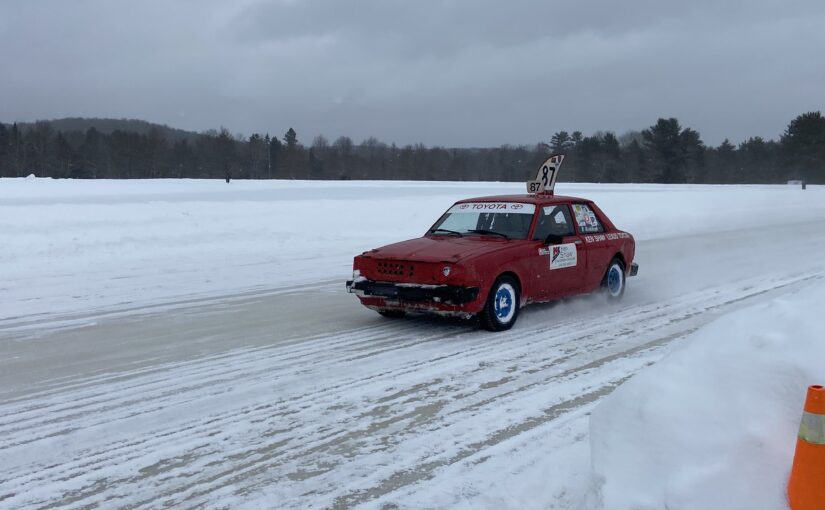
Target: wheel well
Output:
[(619, 256), (512, 275)]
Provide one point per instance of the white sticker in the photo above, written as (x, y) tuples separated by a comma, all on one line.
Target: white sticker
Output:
[(563, 255), (493, 207)]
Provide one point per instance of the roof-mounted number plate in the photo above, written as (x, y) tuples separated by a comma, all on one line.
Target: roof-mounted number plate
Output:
[(545, 179)]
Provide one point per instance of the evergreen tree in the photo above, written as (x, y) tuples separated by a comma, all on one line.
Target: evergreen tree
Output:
[(291, 139), (576, 138), (560, 142), (759, 159), (693, 155), (725, 167), (803, 145), (256, 156), (5, 142), (274, 156), (268, 148), (675, 152), (90, 152)]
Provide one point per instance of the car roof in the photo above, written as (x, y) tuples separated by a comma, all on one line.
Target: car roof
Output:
[(539, 199)]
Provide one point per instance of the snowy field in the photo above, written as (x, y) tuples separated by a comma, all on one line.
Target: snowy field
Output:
[(189, 343), (74, 246)]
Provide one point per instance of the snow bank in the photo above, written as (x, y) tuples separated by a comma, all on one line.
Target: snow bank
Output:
[(714, 424)]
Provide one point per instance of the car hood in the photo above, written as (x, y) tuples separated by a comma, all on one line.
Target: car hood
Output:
[(439, 249)]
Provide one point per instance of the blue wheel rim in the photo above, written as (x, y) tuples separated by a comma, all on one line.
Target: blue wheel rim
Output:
[(504, 303), (614, 280)]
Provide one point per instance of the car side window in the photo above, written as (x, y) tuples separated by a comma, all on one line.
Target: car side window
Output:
[(553, 219), (586, 219)]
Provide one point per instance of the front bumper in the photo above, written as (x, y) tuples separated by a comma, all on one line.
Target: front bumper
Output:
[(441, 294), (634, 269)]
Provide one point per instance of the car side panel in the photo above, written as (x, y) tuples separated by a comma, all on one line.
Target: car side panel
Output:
[(602, 247), (516, 259), (625, 244)]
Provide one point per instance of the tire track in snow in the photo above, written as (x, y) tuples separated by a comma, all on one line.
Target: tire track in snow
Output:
[(360, 397)]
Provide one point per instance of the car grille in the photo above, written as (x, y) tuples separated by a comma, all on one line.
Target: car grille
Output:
[(395, 268)]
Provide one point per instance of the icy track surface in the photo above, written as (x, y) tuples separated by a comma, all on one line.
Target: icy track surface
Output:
[(73, 246), (127, 380)]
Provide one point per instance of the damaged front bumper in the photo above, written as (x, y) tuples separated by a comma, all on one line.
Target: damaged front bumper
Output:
[(414, 293)]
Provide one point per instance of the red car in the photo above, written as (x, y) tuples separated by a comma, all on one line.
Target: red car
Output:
[(490, 256)]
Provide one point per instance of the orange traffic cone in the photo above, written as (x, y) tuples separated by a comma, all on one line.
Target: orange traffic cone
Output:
[(806, 487)]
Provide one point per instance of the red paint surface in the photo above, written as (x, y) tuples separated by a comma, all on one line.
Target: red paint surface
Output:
[(477, 260)]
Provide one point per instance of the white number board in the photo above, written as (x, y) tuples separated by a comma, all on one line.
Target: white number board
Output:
[(546, 176)]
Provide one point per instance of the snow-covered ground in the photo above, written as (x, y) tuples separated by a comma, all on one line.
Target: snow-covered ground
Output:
[(714, 424), (189, 343), (71, 246)]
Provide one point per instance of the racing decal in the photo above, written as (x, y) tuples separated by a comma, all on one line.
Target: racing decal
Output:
[(563, 255), (586, 218), (493, 207), (606, 237)]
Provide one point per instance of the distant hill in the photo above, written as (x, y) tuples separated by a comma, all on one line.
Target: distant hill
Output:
[(107, 126)]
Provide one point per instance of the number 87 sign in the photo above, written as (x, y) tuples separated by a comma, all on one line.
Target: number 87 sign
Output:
[(545, 179)]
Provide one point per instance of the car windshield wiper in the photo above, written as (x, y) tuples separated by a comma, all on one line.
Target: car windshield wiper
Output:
[(453, 232), (488, 232)]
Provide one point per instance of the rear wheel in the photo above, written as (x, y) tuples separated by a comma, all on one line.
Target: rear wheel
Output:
[(614, 279), (392, 314), (502, 306)]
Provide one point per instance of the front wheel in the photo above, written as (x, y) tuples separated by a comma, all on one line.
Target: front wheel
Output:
[(614, 280), (502, 306)]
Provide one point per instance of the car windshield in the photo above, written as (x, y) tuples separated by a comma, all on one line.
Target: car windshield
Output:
[(509, 220)]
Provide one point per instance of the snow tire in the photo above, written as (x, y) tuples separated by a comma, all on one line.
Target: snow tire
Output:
[(502, 306), (614, 280)]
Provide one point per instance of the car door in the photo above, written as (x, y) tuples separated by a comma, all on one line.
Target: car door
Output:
[(560, 267), (599, 253)]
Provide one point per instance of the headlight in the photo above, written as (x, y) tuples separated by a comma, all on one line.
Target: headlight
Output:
[(445, 270), (355, 274)]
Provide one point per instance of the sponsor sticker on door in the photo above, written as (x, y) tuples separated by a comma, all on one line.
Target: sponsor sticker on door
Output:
[(562, 255)]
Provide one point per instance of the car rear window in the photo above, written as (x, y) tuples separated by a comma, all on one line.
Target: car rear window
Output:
[(586, 219)]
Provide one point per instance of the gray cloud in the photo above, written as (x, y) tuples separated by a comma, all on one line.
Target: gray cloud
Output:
[(449, 72)]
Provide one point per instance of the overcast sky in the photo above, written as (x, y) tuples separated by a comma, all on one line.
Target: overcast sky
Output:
[(453, 73)]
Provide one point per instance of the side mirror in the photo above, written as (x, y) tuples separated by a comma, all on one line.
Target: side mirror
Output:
[(554, 239)]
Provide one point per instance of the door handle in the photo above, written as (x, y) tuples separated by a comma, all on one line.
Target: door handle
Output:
[(577, 241)]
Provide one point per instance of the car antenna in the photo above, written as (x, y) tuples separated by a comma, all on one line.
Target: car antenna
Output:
[(545, 180)]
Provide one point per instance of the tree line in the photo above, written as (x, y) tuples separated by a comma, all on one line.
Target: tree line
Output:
[(665, 152)]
